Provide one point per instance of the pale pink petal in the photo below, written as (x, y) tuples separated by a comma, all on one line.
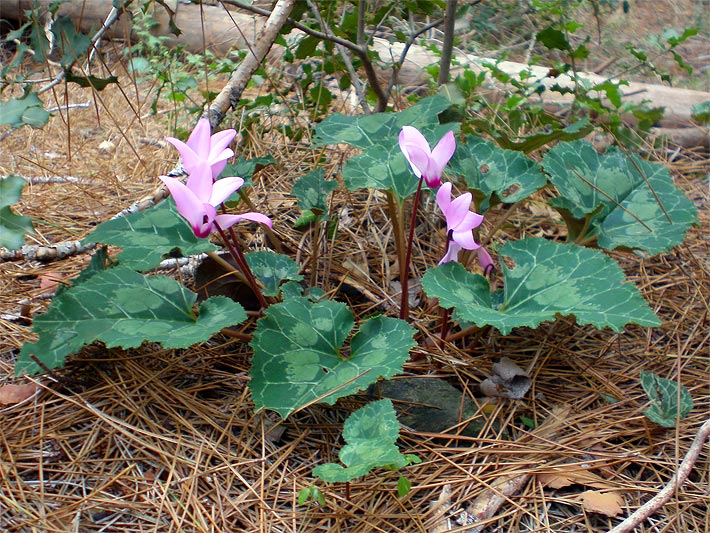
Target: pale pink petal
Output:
[(432, 175), (222, 189), (471, 221), (220, 162), (415, 149), (456, 212), (443, 198), (443, 151), (190, 159), (417, 159), (485, 260), (452, 253), (410, 136), (219, 142), (200, 181), (257, 217), (226, 221), (199, 139), (465, 239), (188, 205)]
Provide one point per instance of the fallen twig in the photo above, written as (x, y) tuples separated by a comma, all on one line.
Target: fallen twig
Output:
[(660, 499), (45, 253), (500, 491)]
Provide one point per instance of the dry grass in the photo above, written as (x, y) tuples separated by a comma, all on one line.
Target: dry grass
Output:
[(167, 441)]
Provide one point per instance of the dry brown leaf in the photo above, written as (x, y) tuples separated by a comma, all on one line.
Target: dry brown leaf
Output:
[(573, 476), (48, 282), (11, 394), (606, 503)]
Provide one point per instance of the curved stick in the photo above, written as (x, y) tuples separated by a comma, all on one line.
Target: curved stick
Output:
[(660, 499)]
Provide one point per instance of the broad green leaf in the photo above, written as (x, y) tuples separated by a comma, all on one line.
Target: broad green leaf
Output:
[(312, 191), (272, 269), (123, 308), (668, 403), (245, 168), (27, 110), (611, 89), (300, 357), (12, 227), (306, 47), (364, 131), (311, 493), (701, 112), (99, 262), (147, 237), (636, 197), (380, 167), (404, 486), (370, 434), (548, 279), (490, 170)]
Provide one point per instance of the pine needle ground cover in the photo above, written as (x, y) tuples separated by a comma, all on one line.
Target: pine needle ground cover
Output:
[(155, 439)]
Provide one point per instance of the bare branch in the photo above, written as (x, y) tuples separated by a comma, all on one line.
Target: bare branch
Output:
[(112, 17), (651, 506), (232, 92)]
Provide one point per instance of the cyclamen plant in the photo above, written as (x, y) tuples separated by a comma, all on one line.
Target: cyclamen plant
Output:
[(299, 341), (204, 157)]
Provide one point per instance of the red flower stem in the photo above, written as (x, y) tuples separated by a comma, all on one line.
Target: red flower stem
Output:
[(242, 263), (444, 327), (404, 269)]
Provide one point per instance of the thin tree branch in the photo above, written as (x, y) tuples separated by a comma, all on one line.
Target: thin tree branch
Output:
[(296, 25), (231, 93), (357, 84), (382, 95), (651, 506), (448, 45), (396, 67), (112, 17)]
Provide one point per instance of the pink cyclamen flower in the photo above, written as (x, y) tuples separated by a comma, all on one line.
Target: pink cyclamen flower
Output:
[(426, 163), (202, 148), (197, 201), (460, 222), (485, 260)]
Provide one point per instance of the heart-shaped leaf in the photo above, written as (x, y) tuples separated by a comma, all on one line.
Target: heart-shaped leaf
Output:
[(668, 403), (147, 237), (245, 168), (631, 203), (312, 192), (27, 110), (300, 356), (548, 279), (380, 167), (490, 170), (121, 307), (272, 269), (370, 433)]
